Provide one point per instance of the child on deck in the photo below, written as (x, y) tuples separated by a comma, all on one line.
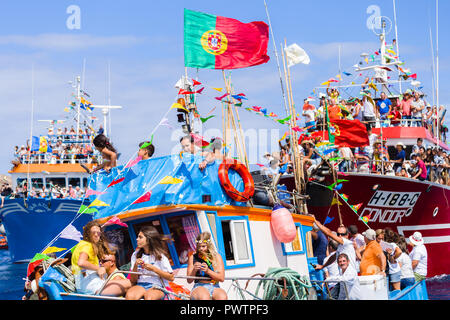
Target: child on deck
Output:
[(146, 150), (109, 154), (206, 262)]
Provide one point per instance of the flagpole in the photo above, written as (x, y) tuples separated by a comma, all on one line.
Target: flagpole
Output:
[(278, 62), (437, 71), (31, 130), (396, 41)]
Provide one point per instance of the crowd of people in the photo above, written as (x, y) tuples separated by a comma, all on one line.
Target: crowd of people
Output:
[(423, 162), (62, 146), (408, 110), (93, 263), (346, 253)]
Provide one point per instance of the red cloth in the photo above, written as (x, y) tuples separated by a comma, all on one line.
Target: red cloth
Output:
[(247, 43), (350, 133)]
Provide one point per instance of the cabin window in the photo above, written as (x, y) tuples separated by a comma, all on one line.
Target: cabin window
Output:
[(85, 182), (75, 182), (56, 182), (236, 241), (184, 230), (37, 183), (296, 246), (309, 248), (119, 241), (156, 224), (21, 182)]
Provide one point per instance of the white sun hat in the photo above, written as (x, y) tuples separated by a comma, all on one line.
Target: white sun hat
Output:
[(416, 238)]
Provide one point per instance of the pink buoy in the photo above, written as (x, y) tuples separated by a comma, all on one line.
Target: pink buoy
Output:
[(283, 224)]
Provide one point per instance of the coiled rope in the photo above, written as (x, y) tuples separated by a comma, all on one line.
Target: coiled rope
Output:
[(290, 285)]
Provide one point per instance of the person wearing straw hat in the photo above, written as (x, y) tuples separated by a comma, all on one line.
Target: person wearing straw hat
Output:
[(419, 256), (400, 156)]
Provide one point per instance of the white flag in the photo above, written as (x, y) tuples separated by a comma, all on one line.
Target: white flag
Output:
[(70, 232), (295, 54)]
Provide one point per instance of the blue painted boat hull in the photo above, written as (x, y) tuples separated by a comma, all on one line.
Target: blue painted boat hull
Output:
[(30, 225)]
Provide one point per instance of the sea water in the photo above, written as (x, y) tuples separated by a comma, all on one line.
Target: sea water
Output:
[(12, 283)]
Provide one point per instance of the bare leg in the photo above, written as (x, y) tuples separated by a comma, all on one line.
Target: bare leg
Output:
[(116, 288), (219, 294), (200, 293), (153, 294), (135, 293)]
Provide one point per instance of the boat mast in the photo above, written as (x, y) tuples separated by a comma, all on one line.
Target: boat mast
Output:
[(437, 71), (396, 42), (78, 110)]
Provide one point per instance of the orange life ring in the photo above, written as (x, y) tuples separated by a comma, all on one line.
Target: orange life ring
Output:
[(231, 191)]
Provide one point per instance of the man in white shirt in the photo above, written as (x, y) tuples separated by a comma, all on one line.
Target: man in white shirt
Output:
[(417, 106), (331, 270), (349, 287), (419, 256), (344, 245)]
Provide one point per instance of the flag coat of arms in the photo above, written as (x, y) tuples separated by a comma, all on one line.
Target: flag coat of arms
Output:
[(216, 42)]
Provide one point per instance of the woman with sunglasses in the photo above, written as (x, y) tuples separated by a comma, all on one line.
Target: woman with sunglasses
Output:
[(89, 274), (207, 263), (118, 285)]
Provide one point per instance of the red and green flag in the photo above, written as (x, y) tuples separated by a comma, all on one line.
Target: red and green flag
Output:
[(216, 42)]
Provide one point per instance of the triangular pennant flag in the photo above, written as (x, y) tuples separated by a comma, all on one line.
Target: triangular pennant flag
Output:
[(221, 97), (195, 82), (328, 220), (178, 106), (53, 250), (144, 198), (39, 256), (98, 203), (85, 209), (114, 182), (366, 218), (344, 196), (70, 232), (203, 120), (165, 122), (133, 162), (169, 180), (335, 201), (218, 89), (90, 192), (357, 206), (115, 220)]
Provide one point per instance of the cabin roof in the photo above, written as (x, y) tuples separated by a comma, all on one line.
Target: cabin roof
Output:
[(52, 168)]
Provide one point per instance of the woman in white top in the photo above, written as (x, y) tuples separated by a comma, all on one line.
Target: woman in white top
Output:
[(150, 259), (407, 277), (394, 253)]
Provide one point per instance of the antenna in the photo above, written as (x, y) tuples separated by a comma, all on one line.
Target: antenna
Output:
[(105, 112)]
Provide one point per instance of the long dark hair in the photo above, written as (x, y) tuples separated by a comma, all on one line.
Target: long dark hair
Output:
[(155, 243), (101, 141)]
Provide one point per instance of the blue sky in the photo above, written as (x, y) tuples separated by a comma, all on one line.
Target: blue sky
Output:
[(143, 42)]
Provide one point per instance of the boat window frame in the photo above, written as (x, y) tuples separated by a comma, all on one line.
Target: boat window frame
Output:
[(302, 236), (165, 227), (220, 240)]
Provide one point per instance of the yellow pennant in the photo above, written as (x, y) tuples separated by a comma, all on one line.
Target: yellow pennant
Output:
[(335, 202), (98, 203), (178, 106), (170, 180), (53, 250), (218, 89)]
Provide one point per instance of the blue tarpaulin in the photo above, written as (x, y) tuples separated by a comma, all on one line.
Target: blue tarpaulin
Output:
[(136, 181)]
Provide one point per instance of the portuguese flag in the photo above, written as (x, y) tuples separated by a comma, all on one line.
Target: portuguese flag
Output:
[(215, 42)]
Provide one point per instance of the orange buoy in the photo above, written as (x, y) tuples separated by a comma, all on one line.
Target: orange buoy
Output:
[(249, 187)]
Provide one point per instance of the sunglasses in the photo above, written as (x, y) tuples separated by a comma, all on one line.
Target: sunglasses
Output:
[(341, 234), (103, 261)]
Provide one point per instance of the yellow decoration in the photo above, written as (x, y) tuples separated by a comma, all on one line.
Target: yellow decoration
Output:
[(53, 250), (170, 180)]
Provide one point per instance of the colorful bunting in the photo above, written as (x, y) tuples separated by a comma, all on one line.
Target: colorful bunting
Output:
[(115, 220), (169, 180), (70, 232), (133, 162), (98, 203), (114, 182), (53, 250), (144, 198), (203, 120)]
